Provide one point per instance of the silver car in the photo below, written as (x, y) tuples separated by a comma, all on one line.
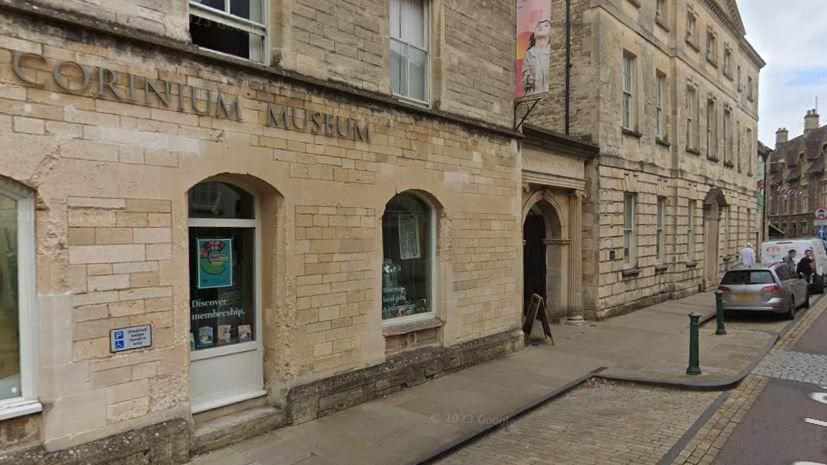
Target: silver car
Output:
[(767, 288)]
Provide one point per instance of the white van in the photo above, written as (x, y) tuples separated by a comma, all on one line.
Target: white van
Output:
[(775, 251)]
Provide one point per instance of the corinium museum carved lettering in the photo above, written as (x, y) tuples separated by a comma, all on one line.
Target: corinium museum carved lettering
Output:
[(101, 82)]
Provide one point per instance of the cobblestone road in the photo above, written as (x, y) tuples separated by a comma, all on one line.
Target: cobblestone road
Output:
[(599, 423), (794, 366)]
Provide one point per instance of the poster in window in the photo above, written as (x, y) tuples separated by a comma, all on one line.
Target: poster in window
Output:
[(215, 263), (533, 47), (408, 237)]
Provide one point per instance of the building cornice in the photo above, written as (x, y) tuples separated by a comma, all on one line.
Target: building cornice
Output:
[(551, 140), (71, 20)]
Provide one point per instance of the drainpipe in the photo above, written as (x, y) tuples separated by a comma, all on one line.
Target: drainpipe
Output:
[(568, 63)]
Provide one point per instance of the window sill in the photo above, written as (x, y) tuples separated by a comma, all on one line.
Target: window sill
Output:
[(405, 327), (691, 264), (13, 408), (412, 101), (693, 151), (693, 45), (636, 3), (662, 23), (662, 142), (660, 269), (712, 61), (630, 132), (630, 273), (729, 164)]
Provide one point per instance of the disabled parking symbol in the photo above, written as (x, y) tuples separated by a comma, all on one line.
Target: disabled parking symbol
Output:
[(119, 340)]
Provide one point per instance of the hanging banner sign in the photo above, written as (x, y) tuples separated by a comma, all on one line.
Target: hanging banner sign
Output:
[(533, 47), (215, 263)]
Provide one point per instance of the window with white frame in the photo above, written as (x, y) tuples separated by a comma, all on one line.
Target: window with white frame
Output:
[(750, 152), (629, 228), (234, 27), (660, 11), (728, 62), (711, 130), (739, 79), (408, 235), (692, 118), (692, 29), (660, 248), (738, 153), (750, 89), (18, 390), (727, 139), (628, 91), (712, 46), (660, 114), (409, 38), (690, 232)]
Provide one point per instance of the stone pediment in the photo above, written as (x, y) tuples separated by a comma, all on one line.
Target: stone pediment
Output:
[(727, 11)]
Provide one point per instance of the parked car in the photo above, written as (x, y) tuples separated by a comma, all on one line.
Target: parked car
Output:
[(765, 288), (775, 251)]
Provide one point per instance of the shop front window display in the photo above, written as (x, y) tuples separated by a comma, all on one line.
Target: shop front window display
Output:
[(406, 267)]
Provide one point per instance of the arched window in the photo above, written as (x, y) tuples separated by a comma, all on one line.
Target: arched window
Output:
[(408, 230), (18, 319)]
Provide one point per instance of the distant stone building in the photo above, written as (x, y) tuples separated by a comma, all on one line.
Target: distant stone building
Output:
[(668, 89), (797, 182)]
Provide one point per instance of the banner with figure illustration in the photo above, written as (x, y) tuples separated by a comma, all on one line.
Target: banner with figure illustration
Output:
[(533, 47)]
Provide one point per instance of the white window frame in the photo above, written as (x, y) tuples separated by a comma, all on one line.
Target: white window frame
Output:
[(692, 117), (660, 241), (628, 78), (690, 232), (236, 22), (727, 139), (629, 228), (692, 28), (433, 269), (661, 10), (27, 403), (712, 46), (426, 34), (711, 129), (660, 121)]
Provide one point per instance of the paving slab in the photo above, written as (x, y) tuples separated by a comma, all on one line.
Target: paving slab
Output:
[(648, 346)]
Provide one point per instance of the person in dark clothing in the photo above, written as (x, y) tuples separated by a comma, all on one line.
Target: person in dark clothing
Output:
[(806, 266)]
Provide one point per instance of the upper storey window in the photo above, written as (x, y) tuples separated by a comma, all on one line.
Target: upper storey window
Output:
[(234, 27), (712, 47), (692, 29), (409, 31)]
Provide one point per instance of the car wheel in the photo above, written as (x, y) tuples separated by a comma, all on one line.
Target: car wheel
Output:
[(790, 315)]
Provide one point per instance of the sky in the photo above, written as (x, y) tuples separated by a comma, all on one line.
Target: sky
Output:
[(791, 36)]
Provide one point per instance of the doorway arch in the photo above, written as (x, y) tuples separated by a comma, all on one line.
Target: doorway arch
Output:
[(544, 253), (714, 205)]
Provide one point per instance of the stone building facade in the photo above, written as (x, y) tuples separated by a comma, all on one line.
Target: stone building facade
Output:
[(668, 89), (797, 185), (219, 220)]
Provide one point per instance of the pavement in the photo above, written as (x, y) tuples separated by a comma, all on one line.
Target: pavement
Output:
[(416, 425)]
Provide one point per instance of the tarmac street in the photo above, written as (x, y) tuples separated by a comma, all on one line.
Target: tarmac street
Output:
[(788, 422)]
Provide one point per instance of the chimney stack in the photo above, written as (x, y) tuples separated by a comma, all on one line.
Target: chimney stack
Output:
[(810, 121), (781, 136)]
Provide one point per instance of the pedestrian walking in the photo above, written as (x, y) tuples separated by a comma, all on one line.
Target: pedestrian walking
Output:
[(748, 255), (806, 266)]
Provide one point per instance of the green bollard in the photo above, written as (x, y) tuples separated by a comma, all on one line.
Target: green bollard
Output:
[(694, 363), (719, 313)]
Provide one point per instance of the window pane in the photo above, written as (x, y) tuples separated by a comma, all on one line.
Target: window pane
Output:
[(395, 18), (413, 22), (219, 37), (220, 200), (417, 73), (222, 300), (9, 301), (406, 268), (399, 68), (248, 9)]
